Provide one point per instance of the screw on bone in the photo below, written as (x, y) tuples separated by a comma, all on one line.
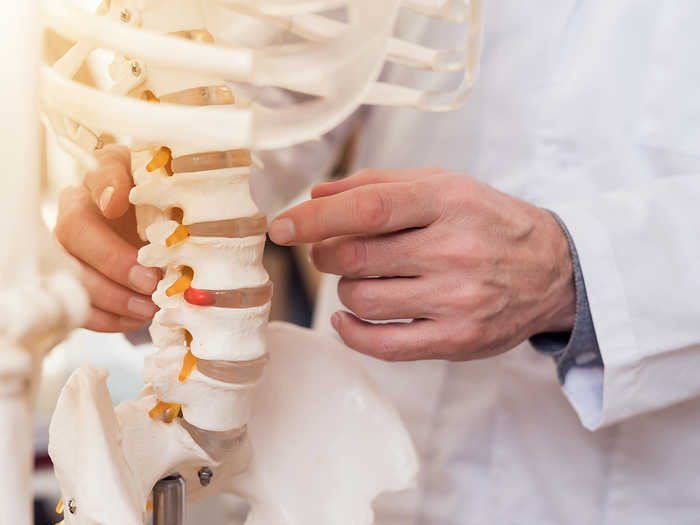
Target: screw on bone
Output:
[(125, 15), (135, 69), (72, 507), (205, 474)]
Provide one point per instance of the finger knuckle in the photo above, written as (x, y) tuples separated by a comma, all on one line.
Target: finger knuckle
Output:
[(113, 154), (106, 258), (459, 192), (113, 163), (109, 298), (450, 339), (373, 208), (352, 257), (66, 196), (466, 254), (470, 338), (363, 300), (62, 231), (70, 198), (385, 347), (69, 230)]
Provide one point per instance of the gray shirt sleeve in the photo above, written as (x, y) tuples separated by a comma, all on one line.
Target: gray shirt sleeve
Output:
[(580, 346), (140, 335)]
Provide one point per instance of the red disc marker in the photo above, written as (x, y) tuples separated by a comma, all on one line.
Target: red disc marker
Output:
[(199, 297)]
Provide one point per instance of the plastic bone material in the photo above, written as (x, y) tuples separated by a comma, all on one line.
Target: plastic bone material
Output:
[(336, 62), (40, 296), (282, 417), (335, 443)]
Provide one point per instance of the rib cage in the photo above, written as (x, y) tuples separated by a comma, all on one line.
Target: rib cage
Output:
[(337, 63)]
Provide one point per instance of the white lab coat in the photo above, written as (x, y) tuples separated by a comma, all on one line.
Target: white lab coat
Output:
[(592, 109)]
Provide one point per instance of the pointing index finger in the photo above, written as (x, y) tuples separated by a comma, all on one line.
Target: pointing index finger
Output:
[(369, 209)]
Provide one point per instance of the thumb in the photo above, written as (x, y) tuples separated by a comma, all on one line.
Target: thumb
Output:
[(111, 183)]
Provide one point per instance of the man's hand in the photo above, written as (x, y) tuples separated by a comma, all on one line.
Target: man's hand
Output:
[(477, 270), (97, 225)]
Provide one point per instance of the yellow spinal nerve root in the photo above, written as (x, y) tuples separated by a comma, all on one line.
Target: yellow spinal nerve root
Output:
[(180, 234), (160, 160), (172, 413), (188, 365), (160, 408), (182, 284)]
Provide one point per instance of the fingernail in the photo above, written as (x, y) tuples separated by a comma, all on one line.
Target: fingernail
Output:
[(143, 279), (129, 323), (106, 196), (141, 306), (335, 321), (310, 257), (282, 231)]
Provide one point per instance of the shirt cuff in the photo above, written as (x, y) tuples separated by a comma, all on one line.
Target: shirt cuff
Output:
[(578, 348)]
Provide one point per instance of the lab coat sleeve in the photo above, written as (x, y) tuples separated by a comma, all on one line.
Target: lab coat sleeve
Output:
[(639, 250), (579, 347)]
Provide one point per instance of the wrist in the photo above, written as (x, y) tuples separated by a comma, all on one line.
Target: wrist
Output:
[(560, 297)]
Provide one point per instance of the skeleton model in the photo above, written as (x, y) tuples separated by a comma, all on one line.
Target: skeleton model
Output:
[(282, 417)]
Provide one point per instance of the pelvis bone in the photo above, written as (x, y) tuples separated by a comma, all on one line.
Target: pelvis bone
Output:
[(322, 442)]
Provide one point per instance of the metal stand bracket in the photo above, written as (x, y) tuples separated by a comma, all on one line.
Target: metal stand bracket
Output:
[(169, 501)]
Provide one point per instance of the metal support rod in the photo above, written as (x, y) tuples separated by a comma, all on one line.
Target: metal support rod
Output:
[(16, 458), (169, 501), (16, 435)]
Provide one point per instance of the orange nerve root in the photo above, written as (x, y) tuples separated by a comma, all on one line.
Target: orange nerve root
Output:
[(182, 284), (180, 234), (172, 413), (160, 160), (160, 408), (187, 366)]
